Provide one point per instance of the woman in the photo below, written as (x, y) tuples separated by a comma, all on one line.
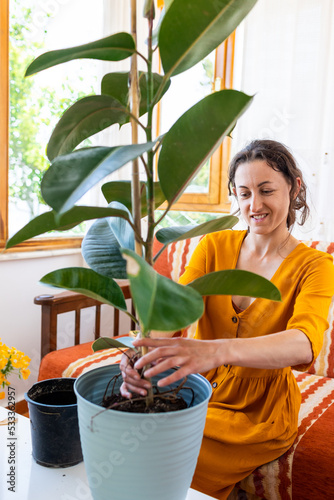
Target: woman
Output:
[(246, 347)]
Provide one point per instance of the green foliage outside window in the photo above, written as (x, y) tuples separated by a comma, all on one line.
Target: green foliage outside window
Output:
[(28, 100)]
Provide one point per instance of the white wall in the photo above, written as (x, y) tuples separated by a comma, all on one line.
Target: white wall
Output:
[(20, 318)]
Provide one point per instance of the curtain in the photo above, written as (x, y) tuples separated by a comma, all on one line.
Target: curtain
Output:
[(285, 58)]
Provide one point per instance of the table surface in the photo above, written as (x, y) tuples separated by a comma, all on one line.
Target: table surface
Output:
[(35, 482)]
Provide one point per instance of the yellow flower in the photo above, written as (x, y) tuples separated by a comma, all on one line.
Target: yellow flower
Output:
[(3, 363), (12, 360), (25, 373), (160, 4)]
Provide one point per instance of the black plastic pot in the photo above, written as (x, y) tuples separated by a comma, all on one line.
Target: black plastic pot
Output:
[(54, 423)]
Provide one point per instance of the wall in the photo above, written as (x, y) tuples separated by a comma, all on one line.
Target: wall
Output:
[(20, 318)]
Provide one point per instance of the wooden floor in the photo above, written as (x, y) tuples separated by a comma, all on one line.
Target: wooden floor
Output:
[(21, 408)]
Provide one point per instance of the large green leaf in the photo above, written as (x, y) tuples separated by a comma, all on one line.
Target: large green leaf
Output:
[(161, 304), (121, 191), (195, 136), (192, 29), (167, 235), (112, 48), (102, 243), (236, 282), (117, 85), (101, 251), (121, 228), (49, 222), (71, 176), (86, 117), (88, 282)]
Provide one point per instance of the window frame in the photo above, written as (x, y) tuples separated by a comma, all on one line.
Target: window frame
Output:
[(217, 198), (45, 243), (4, 118)]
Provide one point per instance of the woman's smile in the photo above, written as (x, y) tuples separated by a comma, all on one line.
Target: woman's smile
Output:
[(259, 218)]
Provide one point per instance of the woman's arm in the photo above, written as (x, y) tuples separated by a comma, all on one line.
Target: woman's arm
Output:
[(290, 347), (278, 350)]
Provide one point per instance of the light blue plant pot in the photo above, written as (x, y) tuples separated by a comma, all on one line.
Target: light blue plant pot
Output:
[(132, 456)]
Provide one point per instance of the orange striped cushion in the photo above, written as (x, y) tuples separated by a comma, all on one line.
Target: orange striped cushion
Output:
[(172, 262), (175, 257), (284, 478), (324, 364), (99, 358)]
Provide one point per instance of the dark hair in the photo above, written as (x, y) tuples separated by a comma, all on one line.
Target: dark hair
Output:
[(280, 159)]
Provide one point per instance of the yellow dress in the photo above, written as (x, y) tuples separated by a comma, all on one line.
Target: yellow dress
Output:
[(253, 413)]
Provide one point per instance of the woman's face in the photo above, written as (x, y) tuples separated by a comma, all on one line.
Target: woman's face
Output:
[(263, 195)]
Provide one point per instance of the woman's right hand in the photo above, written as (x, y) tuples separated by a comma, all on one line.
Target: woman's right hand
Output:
[(132, 381)]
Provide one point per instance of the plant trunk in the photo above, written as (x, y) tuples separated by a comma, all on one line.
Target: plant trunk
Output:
[(135, 183), (150, 155), (134, 107)]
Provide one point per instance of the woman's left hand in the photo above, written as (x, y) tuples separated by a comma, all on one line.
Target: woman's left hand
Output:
[(190, 355)]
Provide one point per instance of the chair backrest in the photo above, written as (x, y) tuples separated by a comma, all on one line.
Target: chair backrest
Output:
[(54, 305), (175, 257)]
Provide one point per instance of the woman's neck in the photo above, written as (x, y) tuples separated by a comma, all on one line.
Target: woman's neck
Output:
[(267, 246)]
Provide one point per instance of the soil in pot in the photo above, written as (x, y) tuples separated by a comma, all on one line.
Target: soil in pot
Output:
[(163, 401)]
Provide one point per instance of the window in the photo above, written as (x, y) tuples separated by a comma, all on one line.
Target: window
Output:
[(31, 107)]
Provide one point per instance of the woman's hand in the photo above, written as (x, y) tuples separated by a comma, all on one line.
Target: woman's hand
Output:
[(132, 381), (190, 355), (274, 351)]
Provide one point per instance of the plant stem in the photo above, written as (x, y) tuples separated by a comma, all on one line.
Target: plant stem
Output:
[(135, 100), (150, 154), (143, 351), (135, 190), (134, 106)]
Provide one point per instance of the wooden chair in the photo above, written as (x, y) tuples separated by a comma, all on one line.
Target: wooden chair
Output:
[(53, 305)]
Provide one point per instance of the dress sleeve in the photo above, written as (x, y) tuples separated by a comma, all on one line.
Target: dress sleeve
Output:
[(311, 307)]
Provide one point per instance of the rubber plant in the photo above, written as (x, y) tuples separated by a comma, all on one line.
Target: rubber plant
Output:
[(114, 247)]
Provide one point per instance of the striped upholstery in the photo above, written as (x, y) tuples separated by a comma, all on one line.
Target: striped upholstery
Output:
[(172, 262), (99, 358), (175, 257), (324, 364), (292, 476)]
